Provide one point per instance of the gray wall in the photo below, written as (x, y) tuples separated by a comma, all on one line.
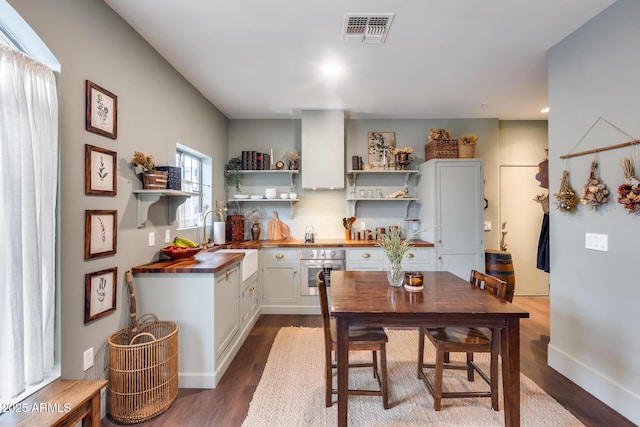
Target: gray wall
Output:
[(156, 109), (325, 209), (595, 295)]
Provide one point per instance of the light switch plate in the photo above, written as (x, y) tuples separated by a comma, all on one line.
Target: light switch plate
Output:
[(596, 242), (167, 236), (487, 226), (152, 238)]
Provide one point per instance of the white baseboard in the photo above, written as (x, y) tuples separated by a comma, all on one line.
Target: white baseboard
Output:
[(604, 389)]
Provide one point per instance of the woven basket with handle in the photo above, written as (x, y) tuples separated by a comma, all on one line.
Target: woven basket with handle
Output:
[(143, 366)]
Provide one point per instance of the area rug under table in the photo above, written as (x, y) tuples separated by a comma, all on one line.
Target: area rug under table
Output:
[(291, 390)]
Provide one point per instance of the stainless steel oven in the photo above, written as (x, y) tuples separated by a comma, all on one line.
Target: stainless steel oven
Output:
[(314, 260)]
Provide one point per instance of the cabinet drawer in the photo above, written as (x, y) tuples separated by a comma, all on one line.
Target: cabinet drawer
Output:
[(418, 255), (279, 256), (365, 255)]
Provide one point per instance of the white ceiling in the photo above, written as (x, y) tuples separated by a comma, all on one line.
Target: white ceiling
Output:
[(259, 59)]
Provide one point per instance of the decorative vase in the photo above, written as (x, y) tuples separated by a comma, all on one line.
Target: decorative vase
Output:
[(255, 231), (394, 275), (402, 160)]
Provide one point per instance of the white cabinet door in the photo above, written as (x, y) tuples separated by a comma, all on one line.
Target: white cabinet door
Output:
[(226, 308), (452, 195), (248, 298), (280, 278)]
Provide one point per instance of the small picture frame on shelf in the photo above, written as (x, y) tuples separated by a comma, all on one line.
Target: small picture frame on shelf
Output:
[(100, 233), (100, 293), (380, 150), (99, 171), (101, 111)]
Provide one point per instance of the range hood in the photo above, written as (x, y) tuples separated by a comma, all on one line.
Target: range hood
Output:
[(322, 157)]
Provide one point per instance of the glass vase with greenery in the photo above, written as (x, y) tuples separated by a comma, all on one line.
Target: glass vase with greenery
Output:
[(394, 247)]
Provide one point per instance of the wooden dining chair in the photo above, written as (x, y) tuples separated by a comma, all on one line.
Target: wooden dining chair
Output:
[(361, 338), (468, 340)]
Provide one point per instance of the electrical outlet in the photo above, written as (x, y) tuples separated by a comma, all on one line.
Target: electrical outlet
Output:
[(152, 238), (167, 236), (88, 358), (363, 225)]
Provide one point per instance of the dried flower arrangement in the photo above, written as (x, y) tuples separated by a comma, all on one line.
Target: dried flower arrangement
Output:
[(594, 193), (629, 190), (403, 150), (292, 156), (143, 160), (253, 215), (468, 139), (566, 197)]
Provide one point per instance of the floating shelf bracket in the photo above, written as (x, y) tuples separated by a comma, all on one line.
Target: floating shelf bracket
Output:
[(146, 198)]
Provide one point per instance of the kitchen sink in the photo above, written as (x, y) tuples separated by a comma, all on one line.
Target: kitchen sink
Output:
[(249, 262)]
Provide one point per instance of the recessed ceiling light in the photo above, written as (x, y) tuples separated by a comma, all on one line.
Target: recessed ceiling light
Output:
[(545, 110), (331, 69)]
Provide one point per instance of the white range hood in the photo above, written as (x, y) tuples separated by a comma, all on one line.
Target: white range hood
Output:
[(322, 157)]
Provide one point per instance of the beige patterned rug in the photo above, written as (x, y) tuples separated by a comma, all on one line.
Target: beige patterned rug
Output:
[(291, 390)]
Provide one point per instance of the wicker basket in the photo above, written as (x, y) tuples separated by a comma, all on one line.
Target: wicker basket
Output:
[(155, 180), (441, 150), (143, 367), (467, 151)]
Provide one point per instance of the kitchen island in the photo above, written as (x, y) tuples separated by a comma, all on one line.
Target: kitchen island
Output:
[(203, 296)]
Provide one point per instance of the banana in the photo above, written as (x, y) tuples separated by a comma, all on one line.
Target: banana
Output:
[(183, 242), (178, 243)]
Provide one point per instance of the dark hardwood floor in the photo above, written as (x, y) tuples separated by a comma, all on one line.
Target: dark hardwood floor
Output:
[(227, 405)]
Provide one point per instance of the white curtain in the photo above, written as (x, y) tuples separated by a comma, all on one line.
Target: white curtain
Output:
[(28, 188)]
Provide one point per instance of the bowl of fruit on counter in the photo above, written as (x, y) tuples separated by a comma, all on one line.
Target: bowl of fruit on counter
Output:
[(181, 248)]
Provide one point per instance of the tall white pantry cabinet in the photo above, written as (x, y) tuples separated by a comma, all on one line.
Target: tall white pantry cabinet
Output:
[(452, 212)]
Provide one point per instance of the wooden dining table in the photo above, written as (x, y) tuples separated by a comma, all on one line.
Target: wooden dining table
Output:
[(365, 298)]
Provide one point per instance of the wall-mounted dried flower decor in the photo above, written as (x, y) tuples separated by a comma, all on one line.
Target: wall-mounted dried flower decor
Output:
[(566, 197), (594, 193), (629, 190)]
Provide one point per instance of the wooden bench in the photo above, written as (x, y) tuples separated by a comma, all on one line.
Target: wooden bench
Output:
[(61, 403)]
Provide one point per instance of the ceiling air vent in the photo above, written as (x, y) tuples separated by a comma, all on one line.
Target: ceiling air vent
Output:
[(366, 28)]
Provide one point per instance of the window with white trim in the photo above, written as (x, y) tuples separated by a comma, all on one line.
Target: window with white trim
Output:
[(196, 172)]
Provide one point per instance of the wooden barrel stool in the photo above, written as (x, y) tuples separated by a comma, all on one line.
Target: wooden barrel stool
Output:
[(499, 264)]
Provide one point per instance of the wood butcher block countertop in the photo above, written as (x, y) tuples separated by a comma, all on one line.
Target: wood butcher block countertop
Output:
[(211, 262), (204, 262)]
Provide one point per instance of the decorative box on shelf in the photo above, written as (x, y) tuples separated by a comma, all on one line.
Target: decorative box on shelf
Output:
[(175, 177), (441, 150)]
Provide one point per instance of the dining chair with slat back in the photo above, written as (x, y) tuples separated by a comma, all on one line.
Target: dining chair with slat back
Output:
[(361, 338), (467, 340)]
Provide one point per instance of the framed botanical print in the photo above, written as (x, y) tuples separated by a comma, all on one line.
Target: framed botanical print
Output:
[(381, 145), (99, 171), (100, 293), (100, 233), (101, 111)]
